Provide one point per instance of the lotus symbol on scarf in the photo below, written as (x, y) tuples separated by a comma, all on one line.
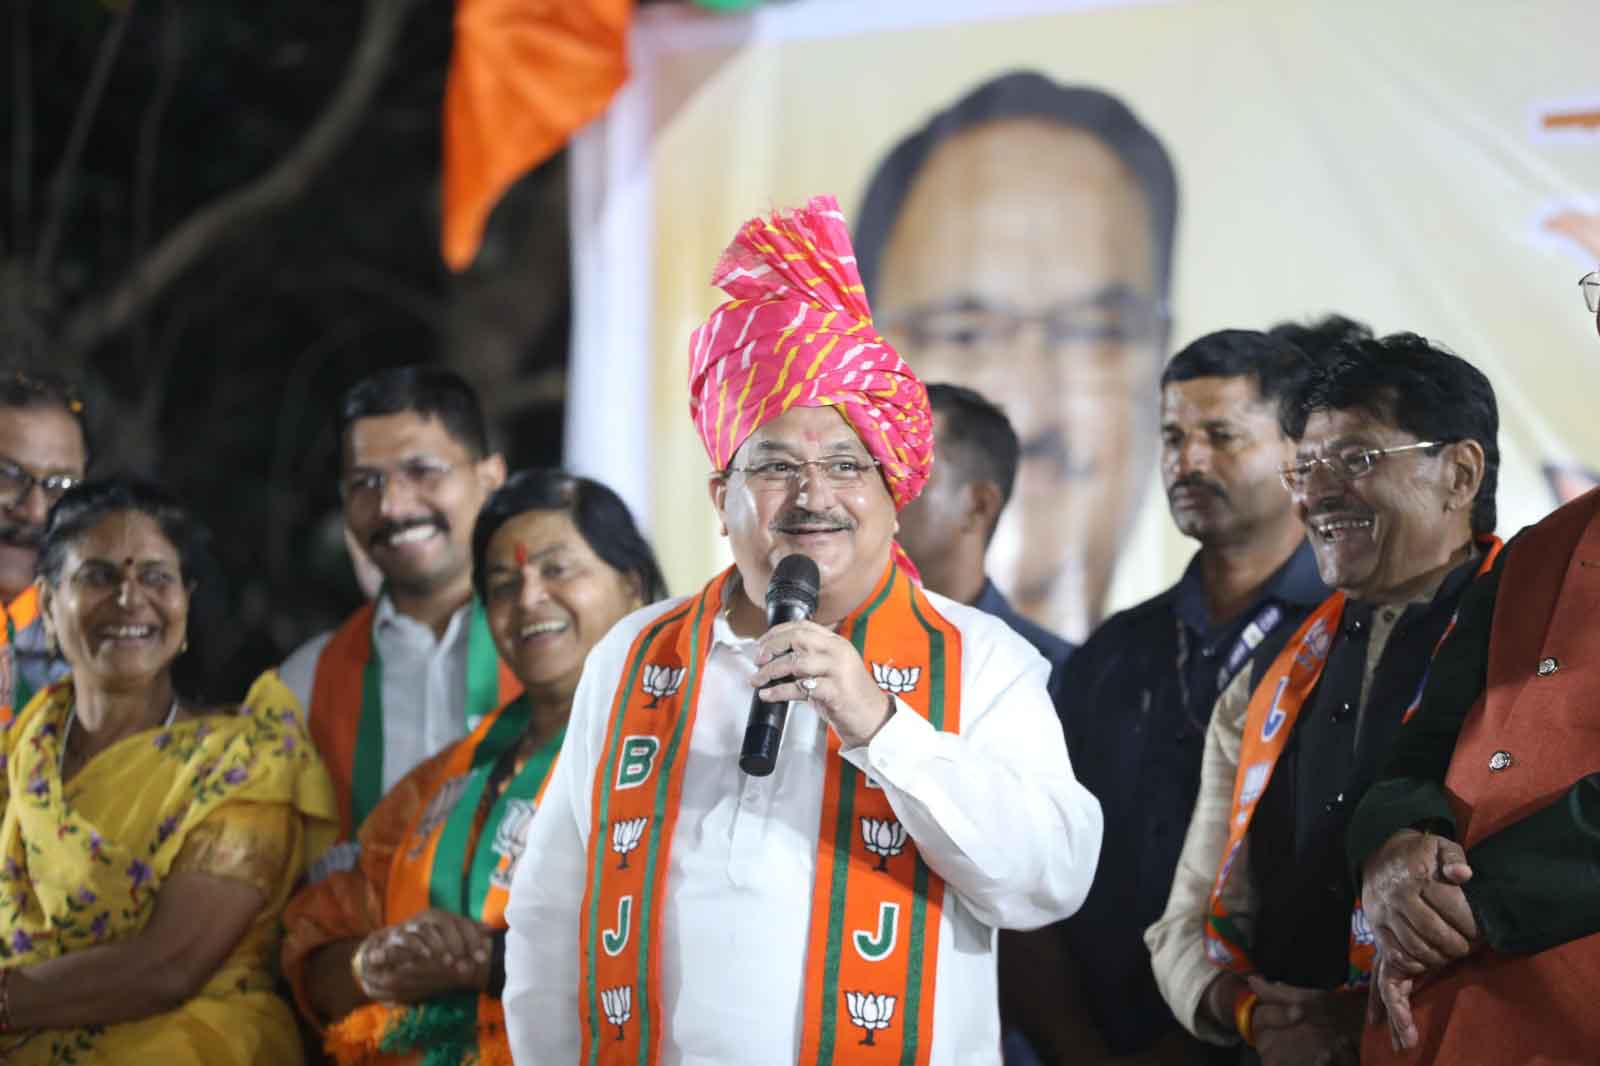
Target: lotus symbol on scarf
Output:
[(618, 1004), (884, 837), (896, 680), (870, 1011), (625, 836), (660, 682)]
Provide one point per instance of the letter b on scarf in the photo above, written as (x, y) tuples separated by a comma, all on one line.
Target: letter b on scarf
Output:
[(637, 762)]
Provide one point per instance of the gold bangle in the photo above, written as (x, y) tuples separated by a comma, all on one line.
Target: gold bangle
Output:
[(1244, 1010)]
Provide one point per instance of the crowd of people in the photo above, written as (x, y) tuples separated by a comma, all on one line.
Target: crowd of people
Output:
[(1328, 799)]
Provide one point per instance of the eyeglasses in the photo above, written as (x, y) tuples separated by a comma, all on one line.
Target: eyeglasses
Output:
[(1346, 465), (420, 474), (1590, 284), (840, 471), (15, 483), (1121, 319)]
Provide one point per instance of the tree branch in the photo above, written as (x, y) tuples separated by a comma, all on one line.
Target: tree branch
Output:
[(149, 145), (21, 129), (144, 165), (82, 122), (203, 230)]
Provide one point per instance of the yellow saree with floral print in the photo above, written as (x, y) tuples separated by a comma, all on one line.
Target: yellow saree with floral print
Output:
[(238, 794)]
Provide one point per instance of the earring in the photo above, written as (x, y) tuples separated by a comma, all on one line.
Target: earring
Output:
[(185, 645), (50, 648)]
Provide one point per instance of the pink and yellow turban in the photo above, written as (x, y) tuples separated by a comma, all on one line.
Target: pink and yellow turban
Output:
[(798, 332)]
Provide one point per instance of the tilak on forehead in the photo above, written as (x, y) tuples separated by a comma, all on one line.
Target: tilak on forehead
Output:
[(798, 333)]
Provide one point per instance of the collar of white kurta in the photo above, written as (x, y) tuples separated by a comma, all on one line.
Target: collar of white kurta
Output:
[(876, 905)]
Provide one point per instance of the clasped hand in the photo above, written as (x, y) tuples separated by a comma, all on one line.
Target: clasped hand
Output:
[(425, 956), (1421, 922), (840, 686), (1305, 1026)]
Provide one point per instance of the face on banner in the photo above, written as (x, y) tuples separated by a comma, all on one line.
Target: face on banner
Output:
[(1021, 264)]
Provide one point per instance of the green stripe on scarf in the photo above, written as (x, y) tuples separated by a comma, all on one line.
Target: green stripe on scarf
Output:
[(602, 825), (844, 832)]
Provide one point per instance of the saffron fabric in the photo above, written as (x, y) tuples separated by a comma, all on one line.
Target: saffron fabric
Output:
[(995, 811), (798, 332), (27, 661), (240, 795), (524, 76), (424, 690), (1529, 828), (394, 879)]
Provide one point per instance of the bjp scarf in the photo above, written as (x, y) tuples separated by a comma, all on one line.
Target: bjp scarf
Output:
[(1275, 705), (876, 905), (457, 857), (798, 332), (347, 715), (20, 614)]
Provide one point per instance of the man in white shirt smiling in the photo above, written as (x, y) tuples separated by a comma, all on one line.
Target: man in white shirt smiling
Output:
[(844, 908), (414, 671)]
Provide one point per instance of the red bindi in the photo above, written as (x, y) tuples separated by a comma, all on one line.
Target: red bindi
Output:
[(521, 552)]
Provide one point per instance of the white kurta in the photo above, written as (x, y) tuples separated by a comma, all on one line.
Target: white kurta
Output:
[(424, 684), (995, 811)]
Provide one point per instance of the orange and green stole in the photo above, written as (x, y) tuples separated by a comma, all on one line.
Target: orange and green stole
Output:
[(20, 613), (874, 932), (458, 857), (1280, 694), (346, 712)]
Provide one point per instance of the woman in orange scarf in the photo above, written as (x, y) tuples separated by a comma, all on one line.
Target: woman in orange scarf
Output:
[(402, 956)]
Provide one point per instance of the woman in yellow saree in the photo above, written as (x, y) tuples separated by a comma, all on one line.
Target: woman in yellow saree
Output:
[(402, 956), (147, 846)]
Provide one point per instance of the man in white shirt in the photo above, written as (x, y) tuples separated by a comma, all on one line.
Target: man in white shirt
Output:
[(844, 908), (414, 671)]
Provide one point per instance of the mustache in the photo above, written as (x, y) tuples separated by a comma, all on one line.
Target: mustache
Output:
[(799, 517), (400, 525), (1200, 483), (21, 535), (1051, 446), (1337, 505)]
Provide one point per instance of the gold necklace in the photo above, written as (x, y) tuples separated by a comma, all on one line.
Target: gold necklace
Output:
[(72, 716)]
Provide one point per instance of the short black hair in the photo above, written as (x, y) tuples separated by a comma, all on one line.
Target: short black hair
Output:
[(32, 388), (1316, 337), (1278, 367), (601, 517), (1413, 384), (980, 433), (83, 506), (432, 392), (1024, 94)]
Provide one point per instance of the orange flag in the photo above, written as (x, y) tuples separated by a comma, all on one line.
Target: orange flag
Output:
[(524, 75)]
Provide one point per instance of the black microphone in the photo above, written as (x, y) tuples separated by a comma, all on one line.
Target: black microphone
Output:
[(791, 597)]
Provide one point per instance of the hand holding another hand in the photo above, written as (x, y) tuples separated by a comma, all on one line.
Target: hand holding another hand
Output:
[(425, 956)]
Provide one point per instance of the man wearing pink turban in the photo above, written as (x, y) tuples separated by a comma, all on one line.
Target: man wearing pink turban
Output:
[(843, 908)]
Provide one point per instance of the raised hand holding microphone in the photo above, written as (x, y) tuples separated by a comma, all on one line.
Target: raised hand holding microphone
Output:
[(791, 597), (803, 661)]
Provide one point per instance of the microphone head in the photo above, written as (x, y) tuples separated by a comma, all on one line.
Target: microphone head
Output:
[(795, 581)]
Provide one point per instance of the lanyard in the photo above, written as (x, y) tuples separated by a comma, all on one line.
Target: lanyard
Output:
[(1249, 639)]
